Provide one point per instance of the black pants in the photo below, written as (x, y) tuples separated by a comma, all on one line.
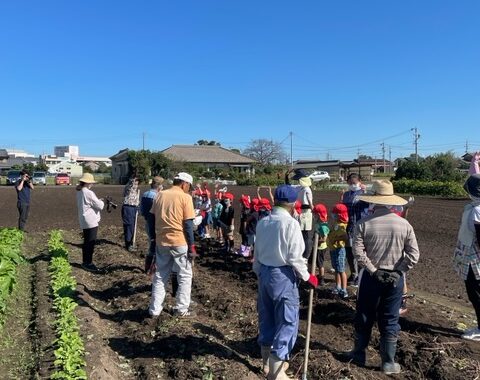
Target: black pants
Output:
[(351, 262), (23, 209), (473, 291), (308, 240), (129, 214), (89, 237)]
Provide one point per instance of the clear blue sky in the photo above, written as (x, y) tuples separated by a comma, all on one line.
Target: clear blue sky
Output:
[(343, 76)]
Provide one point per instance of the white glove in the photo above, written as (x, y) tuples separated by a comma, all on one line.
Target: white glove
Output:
[(232, 227)]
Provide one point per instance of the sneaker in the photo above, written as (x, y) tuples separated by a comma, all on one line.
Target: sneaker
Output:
[(246, 252), (336, 290), (184, 314), (343, 293), (321, 281), (132, 248), (472, 334), (90, 267), (207, 236), (352, 280)]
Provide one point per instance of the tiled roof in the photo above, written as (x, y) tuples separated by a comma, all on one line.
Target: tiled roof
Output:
[(206, 154)]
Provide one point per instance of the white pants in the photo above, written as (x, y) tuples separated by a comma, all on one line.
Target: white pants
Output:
[(170, 259)]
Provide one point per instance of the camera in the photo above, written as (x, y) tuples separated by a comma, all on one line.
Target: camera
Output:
[(110, 204)]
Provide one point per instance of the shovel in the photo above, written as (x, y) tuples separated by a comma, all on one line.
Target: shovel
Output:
[(310, 307)]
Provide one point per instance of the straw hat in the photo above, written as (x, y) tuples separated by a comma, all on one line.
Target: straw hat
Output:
[(382, 194), (87, 178)]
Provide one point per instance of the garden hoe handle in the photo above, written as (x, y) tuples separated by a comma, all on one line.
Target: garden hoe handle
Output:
[(136, 219), (310, 307)]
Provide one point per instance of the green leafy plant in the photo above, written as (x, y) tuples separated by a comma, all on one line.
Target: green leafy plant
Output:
[(10, 256), (70, 351)]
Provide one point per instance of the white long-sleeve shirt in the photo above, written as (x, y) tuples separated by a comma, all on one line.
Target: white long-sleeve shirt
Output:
[(279, 242), (89, 207)]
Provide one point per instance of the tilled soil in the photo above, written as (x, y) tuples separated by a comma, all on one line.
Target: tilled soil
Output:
[(220, 342)]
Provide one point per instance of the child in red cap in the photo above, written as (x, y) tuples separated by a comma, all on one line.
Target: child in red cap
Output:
[(244, 213), (227, 218), (337, 239), (321, 228)]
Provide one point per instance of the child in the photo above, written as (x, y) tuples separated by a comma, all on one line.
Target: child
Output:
[(206, 209), (321, 228), (337, 240), (244, 212), (216, 211), (227, 222), (251, 225)]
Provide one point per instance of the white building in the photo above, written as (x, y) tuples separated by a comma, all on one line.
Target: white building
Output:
[(68, 151), (18, 153)]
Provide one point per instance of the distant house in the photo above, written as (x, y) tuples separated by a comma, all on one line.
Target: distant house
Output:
[(210, 157), (18, 162), (120, 167), (3, 155), (337, 169)]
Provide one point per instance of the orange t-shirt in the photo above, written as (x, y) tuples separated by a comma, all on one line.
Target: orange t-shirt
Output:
[(171, 208)]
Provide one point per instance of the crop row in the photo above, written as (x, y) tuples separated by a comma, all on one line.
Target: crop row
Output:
[(70, 352), (10, 257)]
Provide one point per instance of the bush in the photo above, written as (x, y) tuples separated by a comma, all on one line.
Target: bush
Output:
[(436, 188)]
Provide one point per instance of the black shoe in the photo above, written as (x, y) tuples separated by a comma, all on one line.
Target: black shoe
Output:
[(90, 267)]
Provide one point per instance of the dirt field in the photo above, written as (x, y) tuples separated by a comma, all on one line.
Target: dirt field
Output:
[(220, 343)]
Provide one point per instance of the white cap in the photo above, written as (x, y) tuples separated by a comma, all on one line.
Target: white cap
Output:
[(185, 177)]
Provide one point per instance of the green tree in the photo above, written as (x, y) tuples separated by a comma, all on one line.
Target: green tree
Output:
[(444, 167), (41, 167), (207, 142)]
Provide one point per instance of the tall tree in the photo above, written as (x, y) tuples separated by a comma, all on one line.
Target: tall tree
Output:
[(265, 151), (207, 142)]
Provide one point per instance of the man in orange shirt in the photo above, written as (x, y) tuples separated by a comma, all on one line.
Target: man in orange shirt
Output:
[(174, 214)]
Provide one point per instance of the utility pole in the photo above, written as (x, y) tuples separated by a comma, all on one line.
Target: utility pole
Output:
[(390, 159), (291, 149), (416, 137), (466, 146), (358, 160), (383, 155), (143, 140)]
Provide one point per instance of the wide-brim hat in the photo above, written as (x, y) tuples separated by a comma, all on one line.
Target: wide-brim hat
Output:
[(299, 173), (87, 178), (382, 194)]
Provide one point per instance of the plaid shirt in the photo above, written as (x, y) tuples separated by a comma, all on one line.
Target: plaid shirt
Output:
[(385, 240), (131, 195)]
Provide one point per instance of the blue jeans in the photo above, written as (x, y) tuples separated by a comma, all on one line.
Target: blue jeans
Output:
[(378, 302), (278, 309), (128, 218)]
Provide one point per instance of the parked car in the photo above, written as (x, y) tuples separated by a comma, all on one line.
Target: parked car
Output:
[(39, 178), (13, 176), (62, 179), (320, 176)]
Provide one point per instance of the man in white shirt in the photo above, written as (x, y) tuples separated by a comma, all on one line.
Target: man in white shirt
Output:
[(278, 262)]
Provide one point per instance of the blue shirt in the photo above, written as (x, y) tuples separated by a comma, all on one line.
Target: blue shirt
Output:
[(147, 201), (23, 195), (355, 208)]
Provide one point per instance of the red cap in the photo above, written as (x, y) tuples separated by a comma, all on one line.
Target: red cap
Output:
[(321, 211), (265, 203), (341, 210), (228, 196), (245, 200)]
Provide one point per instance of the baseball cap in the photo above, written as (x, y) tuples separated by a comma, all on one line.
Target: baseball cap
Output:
[(185, 177), (285, 193)]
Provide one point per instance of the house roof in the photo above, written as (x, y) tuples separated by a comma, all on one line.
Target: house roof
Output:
[(3, 154), (122, 155), (199, 154)]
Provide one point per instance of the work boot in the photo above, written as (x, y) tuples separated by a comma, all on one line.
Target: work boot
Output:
[(265, 351), (357, 355), (276, 368), (388, 348)]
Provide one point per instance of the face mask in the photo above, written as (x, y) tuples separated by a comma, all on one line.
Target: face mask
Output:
[(227, 203), (355, 187)]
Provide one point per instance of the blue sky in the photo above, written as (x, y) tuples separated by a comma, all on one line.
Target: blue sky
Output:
[(343, 76)]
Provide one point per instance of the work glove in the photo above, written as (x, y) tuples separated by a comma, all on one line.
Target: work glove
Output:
[(232, 227), (313, 281), (149, 260), (192, 252), (386, 277)]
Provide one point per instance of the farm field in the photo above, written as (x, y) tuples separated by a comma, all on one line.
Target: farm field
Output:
[(220, 341)]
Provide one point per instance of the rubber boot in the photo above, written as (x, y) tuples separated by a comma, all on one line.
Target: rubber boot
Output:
[(357, 355), (276, 368), (388, 348), (265, 351)]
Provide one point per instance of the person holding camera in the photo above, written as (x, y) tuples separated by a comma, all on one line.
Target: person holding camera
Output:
[(89, 207), (23, 186)]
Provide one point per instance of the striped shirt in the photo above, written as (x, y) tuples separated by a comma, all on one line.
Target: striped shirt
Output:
[(384, 240)]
